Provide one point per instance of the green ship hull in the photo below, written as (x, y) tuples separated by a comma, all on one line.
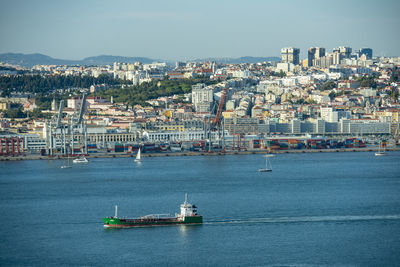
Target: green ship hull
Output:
[(113, 222)]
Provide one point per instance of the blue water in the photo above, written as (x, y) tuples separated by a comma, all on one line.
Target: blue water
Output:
[(312, 209)]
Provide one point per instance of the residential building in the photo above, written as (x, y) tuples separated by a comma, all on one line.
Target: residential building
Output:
[(365, 51), (315, 53), (344, 51), (290, 55), (241, 125), (202, 97)]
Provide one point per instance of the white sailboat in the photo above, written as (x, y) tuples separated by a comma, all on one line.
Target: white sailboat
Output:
[(138, 156), (381, 150), (68, 165), (268, 167)]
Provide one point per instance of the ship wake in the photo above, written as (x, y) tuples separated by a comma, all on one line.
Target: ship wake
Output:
[(304, 219)]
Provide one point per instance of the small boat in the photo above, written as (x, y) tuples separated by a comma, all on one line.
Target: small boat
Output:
[(268, 167), (138, 156), (188, 215), (381, 152), (68, 165), (164, 147), (80, 160), (175, 147)]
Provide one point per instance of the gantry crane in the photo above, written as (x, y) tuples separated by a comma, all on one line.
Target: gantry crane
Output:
[(67, 132), (215, 123)]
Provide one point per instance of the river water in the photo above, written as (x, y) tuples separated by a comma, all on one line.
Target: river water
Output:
[(313, 209)]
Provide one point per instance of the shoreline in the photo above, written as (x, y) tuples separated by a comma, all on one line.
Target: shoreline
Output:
[(190, 153)]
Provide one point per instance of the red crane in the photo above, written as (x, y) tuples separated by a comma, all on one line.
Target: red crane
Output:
[(217, 118)]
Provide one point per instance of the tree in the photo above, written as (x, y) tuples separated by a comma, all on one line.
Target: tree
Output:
[(45, 84), (395, 77), (394, 94), (14, 113), (367, 81), (37, 113), (329, 85), (139, 94), (310, 101)]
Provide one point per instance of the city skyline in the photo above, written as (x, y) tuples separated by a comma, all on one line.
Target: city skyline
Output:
[(183, 31)]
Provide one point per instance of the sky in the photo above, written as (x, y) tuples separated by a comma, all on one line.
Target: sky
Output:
[(186, 29)]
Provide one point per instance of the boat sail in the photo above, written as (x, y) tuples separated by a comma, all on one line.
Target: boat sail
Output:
[(68, 165), (268, 167), (138, 156)]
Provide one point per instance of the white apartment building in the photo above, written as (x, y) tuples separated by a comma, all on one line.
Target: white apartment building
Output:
[(292, 81), (202, 97), (356, 126), (241, 74), (329, 115), (285, 67), (74, 103)]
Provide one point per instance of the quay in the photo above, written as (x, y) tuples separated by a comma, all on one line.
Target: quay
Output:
[(202, 153)]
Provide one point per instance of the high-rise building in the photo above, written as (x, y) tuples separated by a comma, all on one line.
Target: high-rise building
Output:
[(180, 65), (290, 55), (202, 97), (340, 53), (365, 51), (117, 66), (324, 62), (344, 51), (315, 53)]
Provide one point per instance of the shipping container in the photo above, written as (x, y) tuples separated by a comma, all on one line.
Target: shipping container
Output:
[(151, 148), (256, 143)]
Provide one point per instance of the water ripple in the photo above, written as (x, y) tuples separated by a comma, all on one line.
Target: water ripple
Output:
[(343, 218)]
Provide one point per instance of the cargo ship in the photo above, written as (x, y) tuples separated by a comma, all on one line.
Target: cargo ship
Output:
[(188, 215)]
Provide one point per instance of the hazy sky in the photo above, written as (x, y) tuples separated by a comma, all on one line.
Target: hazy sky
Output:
[(186, 29)]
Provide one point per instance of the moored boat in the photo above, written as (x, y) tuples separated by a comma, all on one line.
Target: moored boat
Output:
[(188, 215), (80, 160), (175, 147), (164, 147)]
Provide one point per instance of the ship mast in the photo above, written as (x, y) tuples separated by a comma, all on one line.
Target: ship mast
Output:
[(186, 198), (116, 211)]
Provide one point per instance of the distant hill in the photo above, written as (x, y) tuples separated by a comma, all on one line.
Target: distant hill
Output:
[(29, 60)]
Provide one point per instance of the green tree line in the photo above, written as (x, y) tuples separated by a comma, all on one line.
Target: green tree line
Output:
[(150, 90), (367, 81), (44, 84)]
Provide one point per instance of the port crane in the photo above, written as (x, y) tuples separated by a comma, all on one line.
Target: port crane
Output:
[(78, 125), (217, 119), (53, 125), (66, 132), (215, 123)]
